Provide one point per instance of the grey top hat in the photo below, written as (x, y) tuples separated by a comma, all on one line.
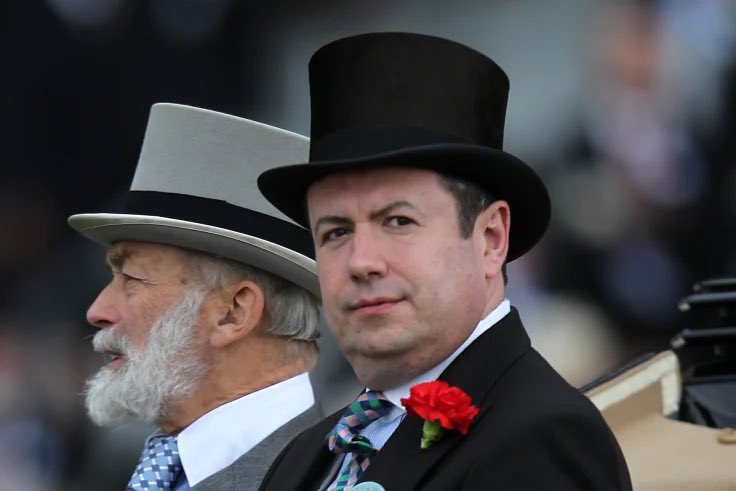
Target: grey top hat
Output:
[(195, 187)]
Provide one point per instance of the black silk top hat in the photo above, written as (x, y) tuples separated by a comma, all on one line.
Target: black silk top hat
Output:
[(411, 100), (195, 187)]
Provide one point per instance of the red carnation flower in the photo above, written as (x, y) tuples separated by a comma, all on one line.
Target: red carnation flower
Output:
[(442, 407)]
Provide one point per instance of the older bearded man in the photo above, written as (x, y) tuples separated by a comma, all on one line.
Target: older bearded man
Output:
[(210, 319), (171, 363)]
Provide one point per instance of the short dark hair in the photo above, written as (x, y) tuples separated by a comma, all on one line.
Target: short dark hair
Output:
[(470, 201)]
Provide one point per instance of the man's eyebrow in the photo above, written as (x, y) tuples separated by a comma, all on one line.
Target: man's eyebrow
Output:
[(389, 208), (341, 220), (331, 220), (117, 258)]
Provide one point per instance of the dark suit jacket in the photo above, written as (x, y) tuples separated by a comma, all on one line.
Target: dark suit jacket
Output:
[(534, 432)]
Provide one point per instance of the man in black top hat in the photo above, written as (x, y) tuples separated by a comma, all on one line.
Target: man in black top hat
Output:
[(411, 199)]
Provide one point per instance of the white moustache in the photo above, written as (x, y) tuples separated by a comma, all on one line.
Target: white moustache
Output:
[(107, 340)]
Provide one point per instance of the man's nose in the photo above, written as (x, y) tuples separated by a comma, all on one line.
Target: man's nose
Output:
[(367, 258), (103, 311)]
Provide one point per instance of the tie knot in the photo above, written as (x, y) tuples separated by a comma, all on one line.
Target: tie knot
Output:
[(162, 441), (345, 436), (159, 466), (368, 407)]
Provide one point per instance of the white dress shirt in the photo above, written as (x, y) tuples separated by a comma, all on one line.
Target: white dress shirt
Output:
[(221, 436), (381, 429)]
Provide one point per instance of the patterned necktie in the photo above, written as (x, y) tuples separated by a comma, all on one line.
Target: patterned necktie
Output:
[(159, 466), (345, 437)]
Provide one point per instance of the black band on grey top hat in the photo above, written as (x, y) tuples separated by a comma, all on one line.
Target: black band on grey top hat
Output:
[(195, 187), (411, 100)]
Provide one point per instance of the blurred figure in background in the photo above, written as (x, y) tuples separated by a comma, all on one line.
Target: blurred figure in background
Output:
[(29, 445), (210, 320), (637, 225)]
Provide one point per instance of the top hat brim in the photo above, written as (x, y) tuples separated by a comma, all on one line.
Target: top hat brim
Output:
[(108, 228), (508, 178)]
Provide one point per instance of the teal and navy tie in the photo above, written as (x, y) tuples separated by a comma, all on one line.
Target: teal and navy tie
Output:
[(159, 466), (345, 437)]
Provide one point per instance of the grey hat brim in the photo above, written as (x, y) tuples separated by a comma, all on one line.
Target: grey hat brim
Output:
[(108, 228)]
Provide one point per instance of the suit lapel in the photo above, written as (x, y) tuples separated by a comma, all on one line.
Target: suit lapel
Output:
[(401, 464), (306, 458)]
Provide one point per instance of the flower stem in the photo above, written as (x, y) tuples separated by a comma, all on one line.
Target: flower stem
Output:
[(431, 433)]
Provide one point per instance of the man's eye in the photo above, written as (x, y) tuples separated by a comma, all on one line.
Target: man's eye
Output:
[(333, 234), (127, 278), (399, 221)]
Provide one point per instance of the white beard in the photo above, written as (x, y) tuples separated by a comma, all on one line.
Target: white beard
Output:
[(153, 378)]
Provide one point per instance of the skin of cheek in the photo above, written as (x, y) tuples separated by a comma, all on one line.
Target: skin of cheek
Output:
[(421, 327), (145, 306)]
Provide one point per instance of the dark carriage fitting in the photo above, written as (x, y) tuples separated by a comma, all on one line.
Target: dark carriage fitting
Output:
[(673, 412)]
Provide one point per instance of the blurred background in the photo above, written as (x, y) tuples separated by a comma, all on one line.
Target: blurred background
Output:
[(627, 110)]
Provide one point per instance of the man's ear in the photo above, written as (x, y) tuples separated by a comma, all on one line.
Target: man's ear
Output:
[(492, 228), (239, 312)]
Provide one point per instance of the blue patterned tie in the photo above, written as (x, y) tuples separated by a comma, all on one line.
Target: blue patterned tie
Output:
[(345, 437), (159, 466)]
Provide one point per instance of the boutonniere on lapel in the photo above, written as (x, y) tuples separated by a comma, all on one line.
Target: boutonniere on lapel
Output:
[(443, 407)]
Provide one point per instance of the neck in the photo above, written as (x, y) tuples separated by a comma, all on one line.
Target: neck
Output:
[(235, 375), (388, 374)]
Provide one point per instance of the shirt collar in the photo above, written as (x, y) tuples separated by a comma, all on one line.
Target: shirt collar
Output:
[(220, 437), (402, 391)]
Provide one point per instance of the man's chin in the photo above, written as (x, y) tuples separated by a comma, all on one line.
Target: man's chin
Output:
[(103, 413), (110, 401), (104, 419)]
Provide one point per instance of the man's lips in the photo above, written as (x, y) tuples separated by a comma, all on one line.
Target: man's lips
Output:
[(375, 305), (113, 357), (113, 346)]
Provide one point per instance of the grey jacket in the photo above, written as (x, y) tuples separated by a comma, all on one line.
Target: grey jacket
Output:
[(246, 473)]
